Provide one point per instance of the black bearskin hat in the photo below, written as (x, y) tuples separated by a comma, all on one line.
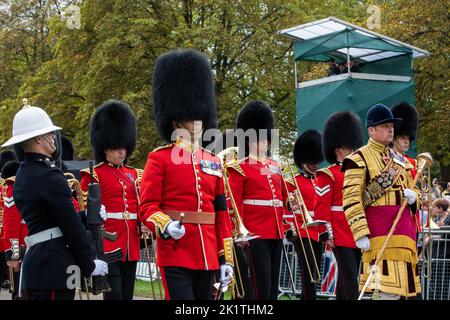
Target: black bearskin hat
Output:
[(256, 115), (341, 129), (308, 148), (6, 156), (113, 126), (408, 113), (183, 90), (67, 148), (10, 169)]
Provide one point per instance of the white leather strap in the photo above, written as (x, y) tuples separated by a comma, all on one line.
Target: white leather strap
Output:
[(266, 203), (43, 236), (121, 215)]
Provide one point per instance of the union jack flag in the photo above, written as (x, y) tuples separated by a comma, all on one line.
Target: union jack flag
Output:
[(330, 272)]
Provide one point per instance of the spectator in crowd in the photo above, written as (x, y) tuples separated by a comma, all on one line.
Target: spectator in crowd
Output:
[(436, 189), (440, 212), (333, 68), (446, 192), (354, 67)]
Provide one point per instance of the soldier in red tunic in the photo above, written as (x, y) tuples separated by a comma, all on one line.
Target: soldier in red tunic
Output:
[(14, 227), (5, 156), (183, 178), (405, 133), (342, 134), (257, 187), (113, 137), (307, 157)]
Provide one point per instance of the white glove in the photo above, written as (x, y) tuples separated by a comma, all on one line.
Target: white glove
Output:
[(226, 273), (174, 230), (102, 213), (410, 195), (101, 268), (363, 243)]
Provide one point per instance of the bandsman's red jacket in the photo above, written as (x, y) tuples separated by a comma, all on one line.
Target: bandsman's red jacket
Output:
[(328, 204), (119, 196), (14, 227), (260, 196), (179, 178), (305, 183)]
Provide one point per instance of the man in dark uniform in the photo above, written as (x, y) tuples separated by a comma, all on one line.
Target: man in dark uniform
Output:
[(58, 248)]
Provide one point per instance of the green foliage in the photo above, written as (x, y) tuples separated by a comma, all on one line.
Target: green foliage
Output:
[(70, 72)]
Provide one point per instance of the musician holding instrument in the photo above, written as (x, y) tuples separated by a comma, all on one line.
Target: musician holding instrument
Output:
[(342, 134), (257, 188), (182, 189), (57, 241), (378, 196), (405, 132), (14, 227), (225, 147), (307, 157), (113, 137)]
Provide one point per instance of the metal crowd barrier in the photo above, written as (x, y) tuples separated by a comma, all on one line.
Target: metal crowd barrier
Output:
[(434, 269), (435, 272), (285, 285), (142, 269)]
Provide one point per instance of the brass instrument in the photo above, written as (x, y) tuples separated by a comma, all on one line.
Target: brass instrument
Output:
[(297, 205), (75, 186), (228, 157), (151, 260), (242, 233), (423, 159)]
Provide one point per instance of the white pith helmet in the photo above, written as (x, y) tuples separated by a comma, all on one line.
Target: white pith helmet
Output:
[(29, 123)]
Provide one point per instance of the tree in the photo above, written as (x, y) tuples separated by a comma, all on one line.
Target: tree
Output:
[(425, 24)]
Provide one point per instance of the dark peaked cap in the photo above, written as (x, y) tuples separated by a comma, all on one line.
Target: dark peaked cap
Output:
[(183, 90), (112, 127), (410, 120), (341, 129), (308, 148)]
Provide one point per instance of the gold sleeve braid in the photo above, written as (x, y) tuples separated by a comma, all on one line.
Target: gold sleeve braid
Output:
[(160, 220), (354, 180), (84, 194), (227, 251)]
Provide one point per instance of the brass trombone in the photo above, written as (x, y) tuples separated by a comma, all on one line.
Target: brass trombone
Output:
[(228, 157), (298, 206), (428, 224), (242, 233), (75, 186), (151, 259)]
